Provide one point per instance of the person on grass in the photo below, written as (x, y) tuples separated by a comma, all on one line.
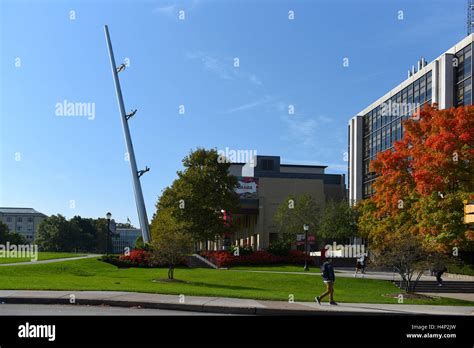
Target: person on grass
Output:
[(328, 278)]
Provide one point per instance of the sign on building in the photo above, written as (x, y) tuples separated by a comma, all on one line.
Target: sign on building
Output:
[(247, 188)]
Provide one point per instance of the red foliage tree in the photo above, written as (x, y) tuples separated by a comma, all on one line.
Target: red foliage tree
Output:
[(422, 181), (436, 154)]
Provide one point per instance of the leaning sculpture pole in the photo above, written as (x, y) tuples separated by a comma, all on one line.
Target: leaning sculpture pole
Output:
[(142, 217)]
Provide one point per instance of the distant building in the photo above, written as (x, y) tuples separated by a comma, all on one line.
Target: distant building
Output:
[(263, 186), (24, 221), (125, 238)]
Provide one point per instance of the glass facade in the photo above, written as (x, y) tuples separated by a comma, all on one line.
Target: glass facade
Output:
[(382, 128), (463, 74), (381, 131)]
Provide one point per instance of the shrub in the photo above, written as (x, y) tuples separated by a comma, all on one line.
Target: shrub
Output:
[(242, 250), (138, 258), (141, 245), (280, 247), (226, 259)]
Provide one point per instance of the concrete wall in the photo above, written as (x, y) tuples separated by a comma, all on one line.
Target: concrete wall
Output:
[(355, 174), (301, 169), (274, 191)]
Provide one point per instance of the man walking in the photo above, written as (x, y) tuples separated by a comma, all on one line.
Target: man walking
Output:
[(329, 278)]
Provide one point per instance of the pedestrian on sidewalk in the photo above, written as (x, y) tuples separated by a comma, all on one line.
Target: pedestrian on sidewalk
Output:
[(361, 264), (438, 273), (328, 278)]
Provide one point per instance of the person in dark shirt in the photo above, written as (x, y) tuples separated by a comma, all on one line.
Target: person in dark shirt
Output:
[(328, 278), (438, 273)]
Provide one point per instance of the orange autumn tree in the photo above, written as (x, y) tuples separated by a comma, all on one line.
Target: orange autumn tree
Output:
[(421, 182)]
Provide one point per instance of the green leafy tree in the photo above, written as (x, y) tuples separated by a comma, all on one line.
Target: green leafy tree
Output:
[(338, 220), (200, 194), (87, 236), (55, 233), (293, 213), (170, 241), (12, 237)]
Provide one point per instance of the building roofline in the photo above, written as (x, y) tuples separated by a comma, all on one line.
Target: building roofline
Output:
[(303, 165)]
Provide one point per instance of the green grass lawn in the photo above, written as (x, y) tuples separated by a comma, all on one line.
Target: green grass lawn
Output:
[(41, 256), (91, 274), (278, 268)]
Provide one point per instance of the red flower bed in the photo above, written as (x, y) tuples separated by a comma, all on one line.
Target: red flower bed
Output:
[(137, 256), (226, 259)]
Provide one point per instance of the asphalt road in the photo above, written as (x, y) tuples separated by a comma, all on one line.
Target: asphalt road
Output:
[(28, 309)]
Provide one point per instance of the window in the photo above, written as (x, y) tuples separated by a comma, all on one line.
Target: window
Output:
[(464, 93), (410, 94), (416, 92), (422, 89), (399, 131), (267, 164), (9, 219), (30, 219), (19, 228), (19, 219), (463, 70), (428, 86)]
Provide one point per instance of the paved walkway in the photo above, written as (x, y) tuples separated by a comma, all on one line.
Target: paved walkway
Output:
[(219, 304), (50, 260)]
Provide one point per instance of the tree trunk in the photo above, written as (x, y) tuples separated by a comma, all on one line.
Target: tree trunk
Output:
[(171, 272)]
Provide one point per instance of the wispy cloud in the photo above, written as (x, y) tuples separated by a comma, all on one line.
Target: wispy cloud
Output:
[(223, 68), (300, 130), (211, 64), (249, 106), (169, 10), (172, 7)]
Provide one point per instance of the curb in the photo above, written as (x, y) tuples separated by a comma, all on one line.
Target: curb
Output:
[(192, 308)]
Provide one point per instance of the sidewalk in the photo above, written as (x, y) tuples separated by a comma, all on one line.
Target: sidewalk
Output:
[(220, 304), (51, 260)]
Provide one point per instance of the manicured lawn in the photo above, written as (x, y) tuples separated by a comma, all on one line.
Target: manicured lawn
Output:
[(91, 274), (41, 256), (278, 268)]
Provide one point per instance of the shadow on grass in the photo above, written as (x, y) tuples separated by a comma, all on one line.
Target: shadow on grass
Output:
[(217, 286)]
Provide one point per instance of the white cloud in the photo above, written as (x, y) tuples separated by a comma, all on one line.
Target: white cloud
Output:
[(300, 130), (251, 105), (166, 10), (223, 68), (171, 10)]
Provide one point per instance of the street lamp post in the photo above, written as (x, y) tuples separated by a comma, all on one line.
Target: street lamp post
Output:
[(306, 228), (108, 216)]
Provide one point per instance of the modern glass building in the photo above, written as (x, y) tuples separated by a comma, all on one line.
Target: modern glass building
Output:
[(446, 81), (125, 238)]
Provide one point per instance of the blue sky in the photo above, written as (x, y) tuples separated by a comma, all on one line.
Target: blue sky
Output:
[(75, 165)]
